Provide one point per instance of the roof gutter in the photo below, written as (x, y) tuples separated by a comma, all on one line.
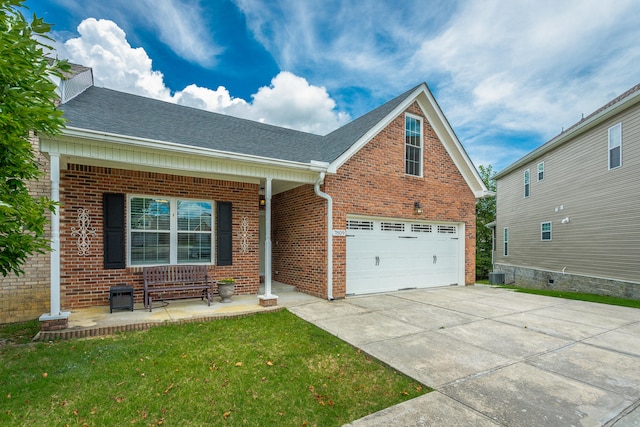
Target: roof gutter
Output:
[(187, 149), (329, 200)]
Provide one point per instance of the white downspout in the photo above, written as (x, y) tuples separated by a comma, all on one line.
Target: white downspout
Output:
[(329, 200)]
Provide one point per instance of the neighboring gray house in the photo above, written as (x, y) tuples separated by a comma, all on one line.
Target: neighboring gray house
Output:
[(568, 213)]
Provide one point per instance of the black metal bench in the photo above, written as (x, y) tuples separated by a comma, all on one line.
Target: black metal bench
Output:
[(176, 282)]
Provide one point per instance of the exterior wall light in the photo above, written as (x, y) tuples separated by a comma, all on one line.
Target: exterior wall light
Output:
[(417, 206)]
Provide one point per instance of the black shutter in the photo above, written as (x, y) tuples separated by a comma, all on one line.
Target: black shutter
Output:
[(224, 233), (113, 216)]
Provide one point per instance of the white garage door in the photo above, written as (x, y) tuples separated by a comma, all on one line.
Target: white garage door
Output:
[(387, 255)]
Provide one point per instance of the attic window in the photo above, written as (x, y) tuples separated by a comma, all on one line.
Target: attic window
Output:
[(413, 146)]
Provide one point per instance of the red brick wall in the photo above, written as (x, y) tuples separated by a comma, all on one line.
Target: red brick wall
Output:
[(372, 182), (26, 297), (299, 240), (85, 282)]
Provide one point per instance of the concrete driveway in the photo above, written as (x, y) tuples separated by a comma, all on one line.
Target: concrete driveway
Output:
[(496, 357)]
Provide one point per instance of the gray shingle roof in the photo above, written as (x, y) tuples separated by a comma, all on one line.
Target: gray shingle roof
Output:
[(109, 111)]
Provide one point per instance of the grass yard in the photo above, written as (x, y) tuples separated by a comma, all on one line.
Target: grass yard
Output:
[(260, 370), (602, 299)]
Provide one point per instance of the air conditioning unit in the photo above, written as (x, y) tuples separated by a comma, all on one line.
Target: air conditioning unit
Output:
[(496, 278)]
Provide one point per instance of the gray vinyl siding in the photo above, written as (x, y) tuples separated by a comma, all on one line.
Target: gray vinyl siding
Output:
[(602, 238)]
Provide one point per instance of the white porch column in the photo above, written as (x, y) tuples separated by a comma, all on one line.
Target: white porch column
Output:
[(268, 299), (55, 314)]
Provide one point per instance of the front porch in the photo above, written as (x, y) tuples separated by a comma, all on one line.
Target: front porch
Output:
[(96, 321)]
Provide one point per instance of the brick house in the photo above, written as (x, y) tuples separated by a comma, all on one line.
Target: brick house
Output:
[(383, 203)]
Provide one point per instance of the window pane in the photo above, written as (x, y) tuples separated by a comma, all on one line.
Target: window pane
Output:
[(194, 231), (149, 248), (614, 158), (412, 131), (412, 162), (615, 136), (194, 216), (194, 247), (149, 214)]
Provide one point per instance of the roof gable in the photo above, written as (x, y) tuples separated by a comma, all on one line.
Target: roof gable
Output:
[(355, 135)]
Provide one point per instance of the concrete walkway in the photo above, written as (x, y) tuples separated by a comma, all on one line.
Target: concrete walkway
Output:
[(495, 357)]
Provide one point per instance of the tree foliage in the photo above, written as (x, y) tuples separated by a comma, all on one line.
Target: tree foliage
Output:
[(27, 104), (485, 213)]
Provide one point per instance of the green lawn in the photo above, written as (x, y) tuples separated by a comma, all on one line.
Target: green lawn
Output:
[(602, 299), (265, 369)]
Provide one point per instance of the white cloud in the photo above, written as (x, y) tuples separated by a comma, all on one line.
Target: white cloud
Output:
[(180, 25), (103, 46), (290, 101), (530, 67), (219, 100), (533, 65)]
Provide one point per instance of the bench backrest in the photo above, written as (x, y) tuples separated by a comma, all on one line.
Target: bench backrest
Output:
[(175, 274)]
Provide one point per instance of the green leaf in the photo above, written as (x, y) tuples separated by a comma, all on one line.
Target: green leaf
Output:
[(27, 105)]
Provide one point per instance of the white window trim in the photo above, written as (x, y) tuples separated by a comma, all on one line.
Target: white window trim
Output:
[(173, 228), (527, 172), (615, 128), (419, 119), (538, 170), (542, 231)]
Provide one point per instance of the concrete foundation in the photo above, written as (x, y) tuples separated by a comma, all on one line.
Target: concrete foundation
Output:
[(553, 280)]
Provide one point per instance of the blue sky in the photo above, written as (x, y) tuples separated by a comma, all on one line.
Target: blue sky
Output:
[(509, 75)]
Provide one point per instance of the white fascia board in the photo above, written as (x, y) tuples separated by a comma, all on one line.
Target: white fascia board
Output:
[(173, 147), (336, 164)]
